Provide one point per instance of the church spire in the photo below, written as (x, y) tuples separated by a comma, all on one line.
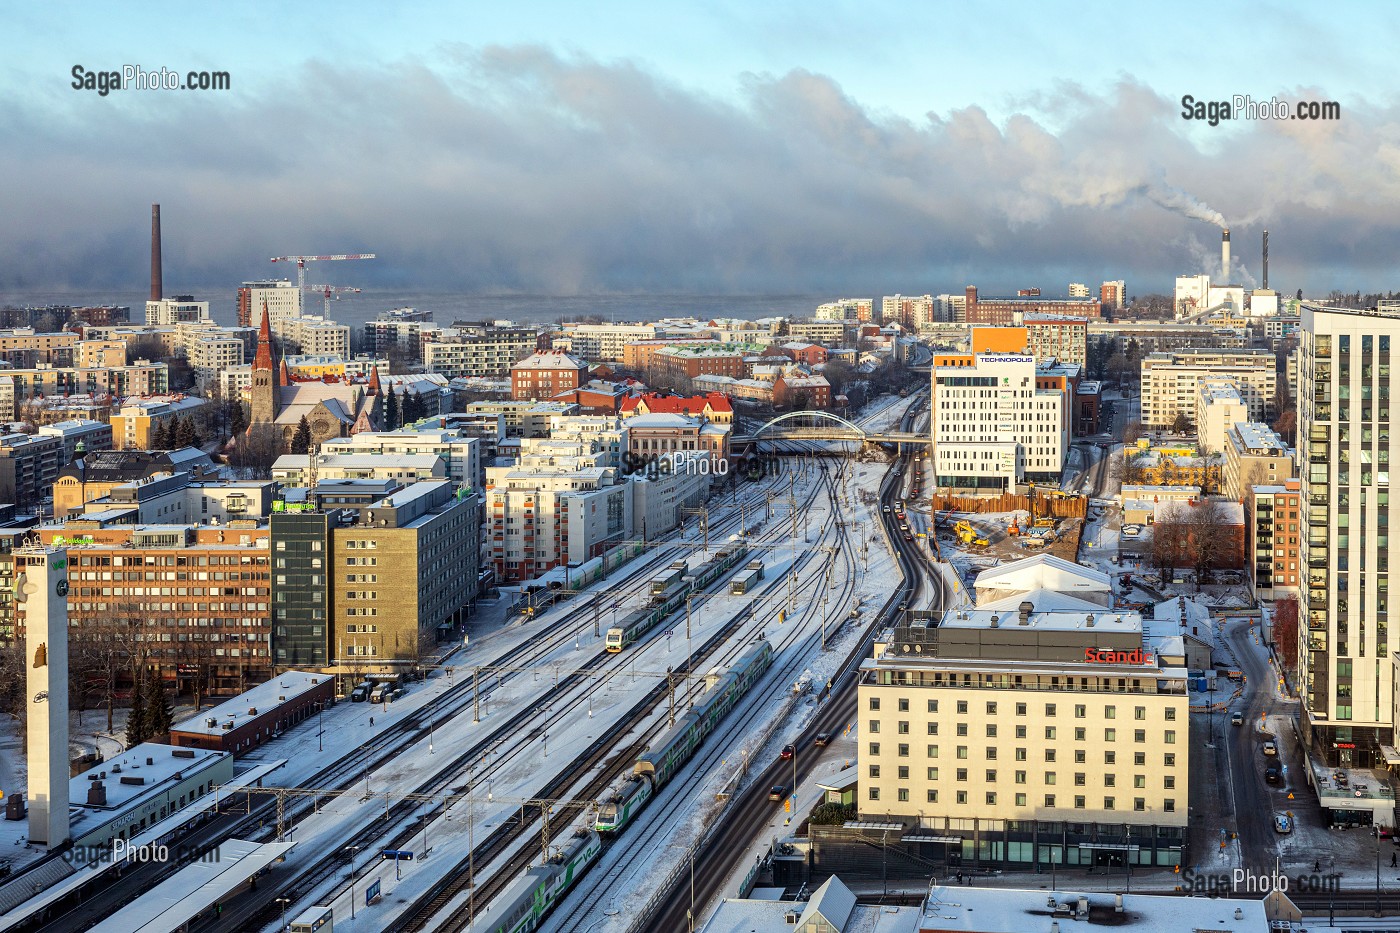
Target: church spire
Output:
[(374, 387), (263, 359)]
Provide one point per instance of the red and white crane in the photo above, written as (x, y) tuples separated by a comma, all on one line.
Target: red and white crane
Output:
[(330, 291), (301, 262)]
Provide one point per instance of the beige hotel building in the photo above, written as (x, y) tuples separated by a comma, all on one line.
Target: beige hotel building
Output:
[(1006, 738)]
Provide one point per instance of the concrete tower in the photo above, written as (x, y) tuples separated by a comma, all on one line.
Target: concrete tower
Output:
[(1225, 256), (43, 588), (157, 277)]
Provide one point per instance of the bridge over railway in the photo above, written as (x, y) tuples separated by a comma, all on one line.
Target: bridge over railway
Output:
[(821, 426)]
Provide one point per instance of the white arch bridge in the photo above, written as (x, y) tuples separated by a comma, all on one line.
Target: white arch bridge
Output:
[(822, 426)]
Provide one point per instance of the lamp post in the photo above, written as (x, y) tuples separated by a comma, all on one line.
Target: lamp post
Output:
[(320, 728), (352, 850), (284, 901)]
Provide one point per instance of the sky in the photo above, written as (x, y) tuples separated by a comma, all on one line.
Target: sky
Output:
[(573, 149)]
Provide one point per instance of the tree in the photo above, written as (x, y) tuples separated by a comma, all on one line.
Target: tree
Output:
[(159, 437), (1209, 534), (185, 433), (138, 721), (414, 408), (301, 440), (255, 450), (159, 716), (391, 410), (1181, 424), (1169, 540), (238, 418)]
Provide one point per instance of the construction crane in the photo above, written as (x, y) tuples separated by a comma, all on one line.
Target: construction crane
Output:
[(301, 262), (328, 290)]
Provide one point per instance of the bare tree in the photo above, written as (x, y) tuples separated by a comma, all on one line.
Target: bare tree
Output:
[(1210, 537), (256, 449), (1169, 533)]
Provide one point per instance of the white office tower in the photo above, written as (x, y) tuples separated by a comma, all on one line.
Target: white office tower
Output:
[(43, 589), (1347, 666)]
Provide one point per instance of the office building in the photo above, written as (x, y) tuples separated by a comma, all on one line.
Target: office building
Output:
[(1346, 449), (461, 456), (29, 464), (987, 723), (1171, 382), (992, 426), (1008, 311)]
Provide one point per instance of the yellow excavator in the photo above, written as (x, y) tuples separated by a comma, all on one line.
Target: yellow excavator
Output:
[(967, 534)]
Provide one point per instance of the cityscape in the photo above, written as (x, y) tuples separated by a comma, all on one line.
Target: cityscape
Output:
[(447, 483)]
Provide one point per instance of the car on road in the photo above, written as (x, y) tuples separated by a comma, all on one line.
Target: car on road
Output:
[(777, 792), (1283, 823), (1273, 774), (822, 740), (884, 508), (1270, 749), (1237, 718), (788, 751)]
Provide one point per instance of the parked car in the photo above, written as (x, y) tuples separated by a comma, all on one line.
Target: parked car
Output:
[(1237, 718), (788, 751), (1273, 774), (823, 739), (777, 792), (1283, 823), (1270, 749)]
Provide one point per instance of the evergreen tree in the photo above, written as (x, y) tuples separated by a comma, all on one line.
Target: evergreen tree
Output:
[(185, 434), (137, 721), (391, 411), (414, 408), (160, 438), (159, 716), (301, 440), (238, 419)]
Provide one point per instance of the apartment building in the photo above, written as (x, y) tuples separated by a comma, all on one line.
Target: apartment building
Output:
[(461, 455), (18, 386), (1255, 454), (846, 309), (476, 350), (138, 418), (1219, 406), (281, 298), (545, 517), (163, 312), (1171, 380), (314, 335), (606, 342), (78, 436), (992, 426), (1006, 311), (912, 312), (1273, 521), (29, 464), (303, 470), (1346, 449), (1056, 338), (1114, 294), (546, 373), (989, 727), (212, 355)]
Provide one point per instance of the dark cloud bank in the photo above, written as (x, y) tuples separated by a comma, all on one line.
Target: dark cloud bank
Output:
[(514, 169)]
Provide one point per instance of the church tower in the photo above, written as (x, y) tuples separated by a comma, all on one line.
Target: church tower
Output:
[(265, 391)]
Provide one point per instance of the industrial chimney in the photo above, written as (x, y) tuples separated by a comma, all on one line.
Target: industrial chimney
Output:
[(156, 288), (1225, 256), (1266, 261)]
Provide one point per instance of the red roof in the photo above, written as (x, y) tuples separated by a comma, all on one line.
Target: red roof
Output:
[(679, 404)]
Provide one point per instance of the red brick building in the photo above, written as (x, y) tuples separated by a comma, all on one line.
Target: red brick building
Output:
[(1004, 311), (797, 392), (545, 374)]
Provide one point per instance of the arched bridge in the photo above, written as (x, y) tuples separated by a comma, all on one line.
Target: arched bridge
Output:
[(823, 426)]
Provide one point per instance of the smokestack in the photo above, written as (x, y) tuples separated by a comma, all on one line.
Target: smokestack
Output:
[(156, 283), (1266, 260), (1225, 256)]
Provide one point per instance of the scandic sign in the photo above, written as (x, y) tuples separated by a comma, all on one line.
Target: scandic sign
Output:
[(1110, 656)]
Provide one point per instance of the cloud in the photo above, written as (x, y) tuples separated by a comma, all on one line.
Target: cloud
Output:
[(520, 169)]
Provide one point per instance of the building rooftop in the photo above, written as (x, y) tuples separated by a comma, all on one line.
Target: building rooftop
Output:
[(1253, 437), (238, 711), (1099, 619), (550, 359), (137, 773), (963, 909)]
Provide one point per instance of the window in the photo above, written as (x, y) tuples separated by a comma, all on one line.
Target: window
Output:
[(1169, 714), (1139, 735), (1020, 732), (1079, 734), (933, 774), (903, 727), (1169, 760), (1080, 779), (1169, 805), (874, 726), (933, 728), (1050, 732), (1020, 754), (932, 796), (1020, 800), (991, 709), (903, 704), (962, 706), (1110, 780), (1079, 754), (1140, 712), (1110, 735), (1110, 712), (874, 771), (874, 703), (1080, 710), (1110, 758), (1049, 754), (962, 751), (1020, 709), (991, 798), (874, 793), (1108, 803), (962, 796), (1139, 758), (932, 751), (903, 749), (1050, 801), (962, 728), (874, 748), (1049, 709), (1078, 803), (1049, 777), (903, 794), (1170, 737), (962, 774), (1169, 782), (991, 730), (933, 706), (991, 753)]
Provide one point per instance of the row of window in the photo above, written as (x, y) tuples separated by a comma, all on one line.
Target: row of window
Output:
[(1051, 732), (962, 798), (1081, 710), (990, 752), (1081, 778)]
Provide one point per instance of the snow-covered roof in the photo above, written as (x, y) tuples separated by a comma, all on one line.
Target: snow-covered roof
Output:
[(264, 697), (1010, 910), (1044, 572), (833, 902)]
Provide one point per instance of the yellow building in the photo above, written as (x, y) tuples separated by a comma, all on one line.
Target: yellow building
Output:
[(134, 423)]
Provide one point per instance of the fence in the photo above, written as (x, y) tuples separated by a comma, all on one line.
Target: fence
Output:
[(1054, 506)]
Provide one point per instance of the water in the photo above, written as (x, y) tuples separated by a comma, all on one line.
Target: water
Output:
[(447, 307)]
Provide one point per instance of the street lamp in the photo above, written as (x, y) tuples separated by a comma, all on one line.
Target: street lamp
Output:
[(320, 729), (284, 901), (352, 850)]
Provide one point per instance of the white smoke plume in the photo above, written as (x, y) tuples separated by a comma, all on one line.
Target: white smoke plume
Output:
[(1182, 202)]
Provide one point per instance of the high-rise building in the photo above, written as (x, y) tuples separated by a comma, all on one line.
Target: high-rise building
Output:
[(1078, 290), (181, 309), (1345, 447), (1171, 380), (1113, 294), (282, 298)]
